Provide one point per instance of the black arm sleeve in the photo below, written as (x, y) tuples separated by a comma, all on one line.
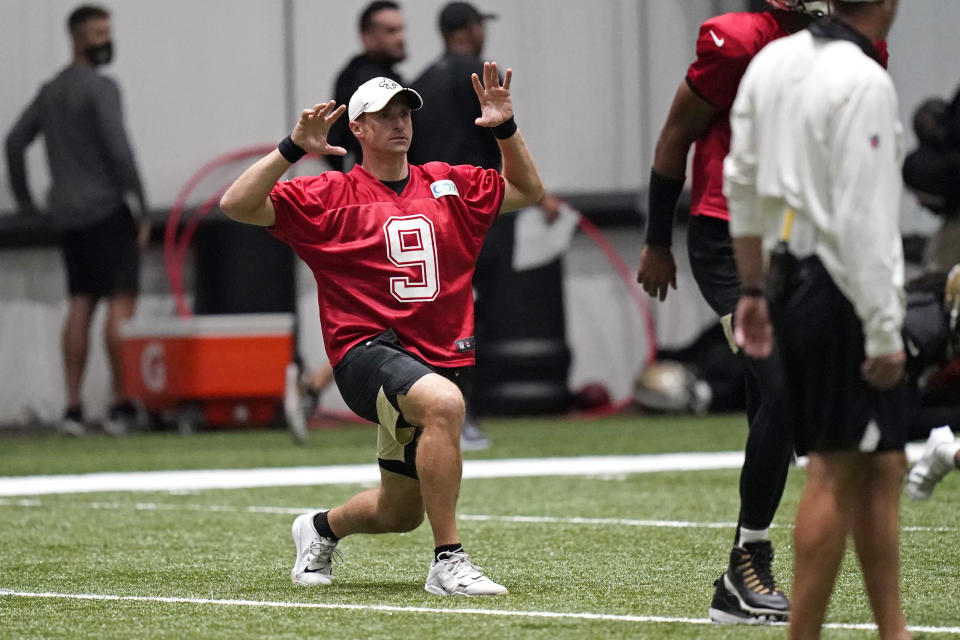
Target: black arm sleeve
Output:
[(664, 193)]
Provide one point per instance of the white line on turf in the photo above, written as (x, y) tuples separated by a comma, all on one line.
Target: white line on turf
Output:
[(200, 479), (572, 615), (220, 508)]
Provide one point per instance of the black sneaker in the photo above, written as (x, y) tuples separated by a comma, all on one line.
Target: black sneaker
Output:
[(121, 417), (72, 423), (725, 608), (749, 581)]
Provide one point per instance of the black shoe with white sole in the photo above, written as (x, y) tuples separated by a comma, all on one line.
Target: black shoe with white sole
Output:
[(747, 592)]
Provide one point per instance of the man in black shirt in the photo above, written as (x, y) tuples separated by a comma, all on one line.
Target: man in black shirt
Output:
[(450, 104), (384, 45), (452, 110)]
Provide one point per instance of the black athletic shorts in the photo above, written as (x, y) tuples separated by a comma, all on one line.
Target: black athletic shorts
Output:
[(102, 258), (370, 377), (829, 406)]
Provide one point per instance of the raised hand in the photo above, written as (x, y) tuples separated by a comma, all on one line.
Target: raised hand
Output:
[(310, 133), (495, 105)]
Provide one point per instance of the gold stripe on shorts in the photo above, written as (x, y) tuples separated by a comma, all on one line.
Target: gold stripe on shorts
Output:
[(391, 439)]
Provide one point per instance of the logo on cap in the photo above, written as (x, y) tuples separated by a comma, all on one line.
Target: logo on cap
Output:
[(444, 188), (388, 84)]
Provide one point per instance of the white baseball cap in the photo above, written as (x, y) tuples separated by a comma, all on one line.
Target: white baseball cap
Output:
[(374, 95)]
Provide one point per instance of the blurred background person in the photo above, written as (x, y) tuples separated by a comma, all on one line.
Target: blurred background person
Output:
[(450, 105), (384, 46), (450, 108), (932, 173), (95, 198)]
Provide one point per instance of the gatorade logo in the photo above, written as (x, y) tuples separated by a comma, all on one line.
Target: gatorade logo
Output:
[(153, 368)]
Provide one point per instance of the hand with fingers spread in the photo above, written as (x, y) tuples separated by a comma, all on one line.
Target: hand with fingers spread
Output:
[(310, 133), (495, 105)]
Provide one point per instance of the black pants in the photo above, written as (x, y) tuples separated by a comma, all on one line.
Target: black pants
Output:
[(769, 448)]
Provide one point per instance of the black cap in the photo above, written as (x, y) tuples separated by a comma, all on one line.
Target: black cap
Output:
[(457, 15)]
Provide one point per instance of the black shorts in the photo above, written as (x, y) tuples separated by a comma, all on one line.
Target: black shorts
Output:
[(829, 405), (370, 377), (102, 259)]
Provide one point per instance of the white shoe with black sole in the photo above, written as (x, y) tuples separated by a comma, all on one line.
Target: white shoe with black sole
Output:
[(315, 554)]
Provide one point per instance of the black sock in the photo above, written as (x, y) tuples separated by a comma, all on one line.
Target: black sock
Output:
[(447, 548), (322, 526)]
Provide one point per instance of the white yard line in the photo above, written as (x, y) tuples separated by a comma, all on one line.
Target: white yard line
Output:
[(509, 519), (202, 479), (357, 473), (505, 613)]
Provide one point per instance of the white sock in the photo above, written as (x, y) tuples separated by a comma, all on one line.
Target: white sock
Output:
[(753, 535)]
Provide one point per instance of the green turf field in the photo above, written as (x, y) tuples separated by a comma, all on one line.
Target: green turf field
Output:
[(597, 556)]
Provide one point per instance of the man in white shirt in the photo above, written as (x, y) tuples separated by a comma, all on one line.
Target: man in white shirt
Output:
[(815, 159)]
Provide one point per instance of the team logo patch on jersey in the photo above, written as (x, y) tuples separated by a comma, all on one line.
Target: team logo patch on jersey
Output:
[(444, 188)]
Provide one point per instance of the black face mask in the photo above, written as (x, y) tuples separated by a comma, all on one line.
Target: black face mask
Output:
[(100, 54)]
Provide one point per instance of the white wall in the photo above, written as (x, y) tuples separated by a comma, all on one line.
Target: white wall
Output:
[(203, 77), (593, 79)]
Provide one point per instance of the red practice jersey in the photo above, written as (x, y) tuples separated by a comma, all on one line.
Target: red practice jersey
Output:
[(384, 261), (725, 46)]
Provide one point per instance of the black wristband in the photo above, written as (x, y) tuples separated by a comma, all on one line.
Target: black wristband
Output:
[(752, 292), (505, 129), (664, 193), (290, 150)]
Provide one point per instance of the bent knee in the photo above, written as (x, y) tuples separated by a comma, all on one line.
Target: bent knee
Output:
[(449, 405), (433, 400)]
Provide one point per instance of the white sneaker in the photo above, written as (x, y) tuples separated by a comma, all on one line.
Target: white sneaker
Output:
[(472, 437), (292, 405), (936, 462), (314, 564), (454, 575)]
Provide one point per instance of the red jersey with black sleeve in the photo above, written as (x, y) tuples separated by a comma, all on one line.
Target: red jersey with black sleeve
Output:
[(383, 261), (725, 46)]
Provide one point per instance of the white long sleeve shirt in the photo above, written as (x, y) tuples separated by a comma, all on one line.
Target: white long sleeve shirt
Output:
[(815, 128)]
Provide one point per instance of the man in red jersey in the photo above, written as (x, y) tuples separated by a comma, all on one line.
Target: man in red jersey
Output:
[(393, 247), (747, 591)]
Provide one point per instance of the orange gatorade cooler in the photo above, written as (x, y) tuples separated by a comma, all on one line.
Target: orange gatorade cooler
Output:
[(230, 367)]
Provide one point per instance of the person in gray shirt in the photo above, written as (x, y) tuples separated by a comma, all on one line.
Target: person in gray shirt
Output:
[(95, 197)]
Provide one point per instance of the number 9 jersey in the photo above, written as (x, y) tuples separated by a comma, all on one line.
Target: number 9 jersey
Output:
[(386, 261)]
